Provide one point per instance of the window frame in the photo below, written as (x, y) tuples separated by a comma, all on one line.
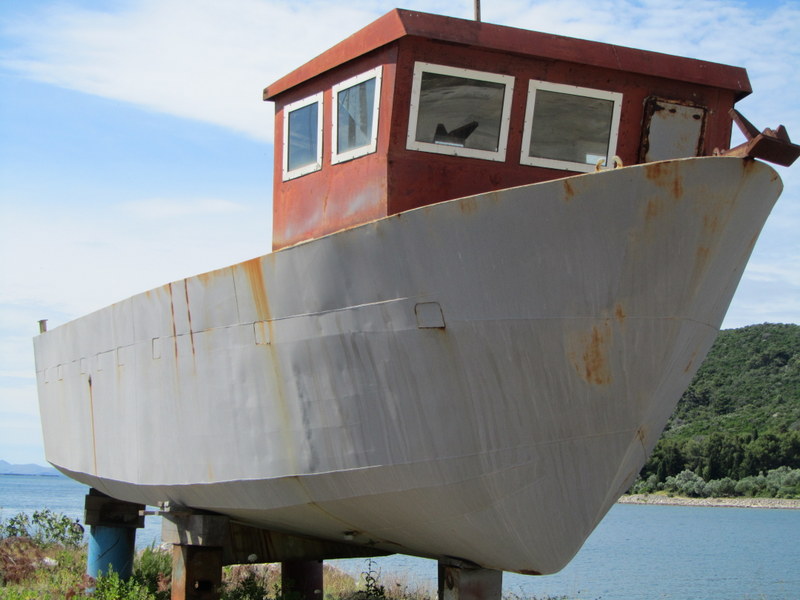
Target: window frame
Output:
[(339, 157), (562, 88), (287, 110), (412, 143)]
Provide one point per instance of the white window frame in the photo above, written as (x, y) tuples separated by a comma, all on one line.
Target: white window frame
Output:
[(562, 88), (338, 157), (505, 118), (287, 110)]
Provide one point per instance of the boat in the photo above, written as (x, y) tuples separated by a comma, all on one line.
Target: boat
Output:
[(499, 258)]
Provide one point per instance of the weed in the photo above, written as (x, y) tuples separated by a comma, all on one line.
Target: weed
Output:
[(44, 527)]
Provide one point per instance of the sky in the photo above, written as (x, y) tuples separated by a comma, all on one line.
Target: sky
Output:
[(135, 148)]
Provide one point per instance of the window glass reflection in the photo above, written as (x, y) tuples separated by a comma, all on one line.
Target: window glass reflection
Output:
[(460, 112), (355, 109), (570, 128), (303, 138)]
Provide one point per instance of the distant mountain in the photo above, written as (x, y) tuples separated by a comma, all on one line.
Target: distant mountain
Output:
[(7, 468)]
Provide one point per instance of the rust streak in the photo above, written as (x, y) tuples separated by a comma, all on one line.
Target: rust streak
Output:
[(591, 362), (711, 223), (569, 193), (652, 211), (702, 255), (595, 359), (665, 177), (94, 440), (677, 188), (255, 275), (189, 313), (619, 312), (691, 362), (654, 171), (468, 205), (174, 329)]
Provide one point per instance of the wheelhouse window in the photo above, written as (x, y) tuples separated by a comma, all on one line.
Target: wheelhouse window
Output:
[(355, 116), (459, 112), (302, 137), (569, 127)]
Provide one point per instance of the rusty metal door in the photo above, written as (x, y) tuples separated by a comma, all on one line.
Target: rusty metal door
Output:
[(672, 130)]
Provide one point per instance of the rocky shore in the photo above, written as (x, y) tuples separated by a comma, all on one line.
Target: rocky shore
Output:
[(728, 502)]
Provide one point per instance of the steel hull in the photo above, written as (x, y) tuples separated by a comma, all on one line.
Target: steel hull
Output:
[(480, 378)]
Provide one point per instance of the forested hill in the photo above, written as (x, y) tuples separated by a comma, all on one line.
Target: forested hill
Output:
[(749, 382), (738, 422)]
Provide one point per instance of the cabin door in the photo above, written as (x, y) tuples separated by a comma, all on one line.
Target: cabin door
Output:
[(672, 130)]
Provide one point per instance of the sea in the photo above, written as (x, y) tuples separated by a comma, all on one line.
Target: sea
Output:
[(638, 552)]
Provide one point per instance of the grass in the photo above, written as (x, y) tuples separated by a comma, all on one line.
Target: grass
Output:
[(52, 571)]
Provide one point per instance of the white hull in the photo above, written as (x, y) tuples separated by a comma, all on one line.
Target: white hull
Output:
[(314, 391)]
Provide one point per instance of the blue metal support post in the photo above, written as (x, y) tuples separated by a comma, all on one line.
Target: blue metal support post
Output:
[(112, 533)]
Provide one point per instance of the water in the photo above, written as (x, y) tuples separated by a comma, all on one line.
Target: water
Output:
[(647, 552), (637, 552), (28, 493)]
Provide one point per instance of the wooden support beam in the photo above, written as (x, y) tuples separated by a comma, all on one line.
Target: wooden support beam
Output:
[(458, 581), (196, 572), (302, 579)]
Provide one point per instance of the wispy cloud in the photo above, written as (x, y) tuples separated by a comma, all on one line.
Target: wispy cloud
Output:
[(197, 59), (93, 260), (207, 60)]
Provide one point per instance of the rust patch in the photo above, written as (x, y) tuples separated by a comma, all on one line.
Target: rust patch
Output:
[(468, 205), (619, 312), (702, 255), (569, 193), (255, 276), (595, 359), (528, 572), (652, 211), (711, 223), (664, 177), (591, 362), (654, 170), (677, 187), (690, 363)]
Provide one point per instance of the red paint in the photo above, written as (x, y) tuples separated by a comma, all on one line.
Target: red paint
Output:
[(394, 179)]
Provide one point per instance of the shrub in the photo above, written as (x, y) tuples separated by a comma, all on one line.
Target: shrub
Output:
[(721, 488), (688, 483), (152, 569), (110, 587), (44, 527), (645, 486)]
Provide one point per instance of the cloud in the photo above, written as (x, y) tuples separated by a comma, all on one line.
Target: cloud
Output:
[(209, 61), (197, 59), (71, 263)]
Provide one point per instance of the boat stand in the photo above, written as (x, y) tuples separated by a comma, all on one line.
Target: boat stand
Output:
[(464, 581), (112, 533), (204, 542)]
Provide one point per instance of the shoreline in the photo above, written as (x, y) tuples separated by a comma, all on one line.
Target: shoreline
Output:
[(738, 502)]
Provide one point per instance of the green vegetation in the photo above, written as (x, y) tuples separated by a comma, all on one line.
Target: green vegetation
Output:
[(736, 430), (43, 557)]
